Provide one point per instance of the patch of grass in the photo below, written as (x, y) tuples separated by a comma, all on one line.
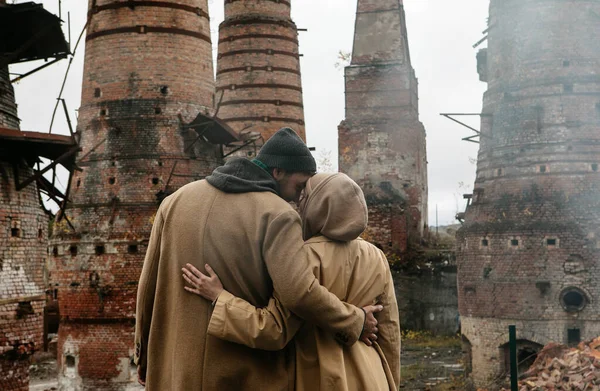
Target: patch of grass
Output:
[(456, 383), (412, 372), (423, 339)]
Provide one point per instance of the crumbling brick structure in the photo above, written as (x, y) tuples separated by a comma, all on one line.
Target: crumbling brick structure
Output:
[(23, 220), (22, 257), (381, 142), (259, 88), (148, 72), (529, 247)]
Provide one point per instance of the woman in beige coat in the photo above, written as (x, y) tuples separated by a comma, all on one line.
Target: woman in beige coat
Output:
[(334, 214)]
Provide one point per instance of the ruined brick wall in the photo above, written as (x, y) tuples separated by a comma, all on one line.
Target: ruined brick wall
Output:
[(148, 69), (23, 246), (527, 253), (381, 142), (258, 68)]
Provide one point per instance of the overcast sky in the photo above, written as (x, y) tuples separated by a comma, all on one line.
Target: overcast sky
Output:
[(441, 35)]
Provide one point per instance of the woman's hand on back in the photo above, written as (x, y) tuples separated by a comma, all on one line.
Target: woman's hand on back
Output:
[(209, 287)]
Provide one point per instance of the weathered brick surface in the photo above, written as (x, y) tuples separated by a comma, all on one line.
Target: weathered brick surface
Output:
[(23, 239), (8, 117), (14, 374), (87, 358), (381, 142), (139, 89), (258, 68), (531, 232)]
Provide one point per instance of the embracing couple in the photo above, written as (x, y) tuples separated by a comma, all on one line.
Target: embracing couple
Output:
[(286, 300)]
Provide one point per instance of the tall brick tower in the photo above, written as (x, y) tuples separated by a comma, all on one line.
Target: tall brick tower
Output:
[(148, 69), (382, 142), (258, 68), (529, 247), (35, 34), (22, 257)]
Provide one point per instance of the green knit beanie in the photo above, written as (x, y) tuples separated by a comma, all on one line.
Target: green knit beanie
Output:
[(286, 150)]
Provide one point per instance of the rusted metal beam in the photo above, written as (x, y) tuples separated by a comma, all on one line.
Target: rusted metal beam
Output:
[(265, 68), (244, 145), (149, 29), (264, 119), (259, 51), (23, 76), (68, 119), (137, 3), (81, 159), (482, 40), (257, 20), (219, 104), (38, 174), (275, 102), (258, 36), (449, 116), (253, 86), (51, 188), (284, 2)]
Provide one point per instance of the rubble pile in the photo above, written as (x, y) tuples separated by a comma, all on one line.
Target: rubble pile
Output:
[(558, 367)]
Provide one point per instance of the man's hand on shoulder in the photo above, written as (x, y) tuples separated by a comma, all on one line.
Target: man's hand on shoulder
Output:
[(369, 334)]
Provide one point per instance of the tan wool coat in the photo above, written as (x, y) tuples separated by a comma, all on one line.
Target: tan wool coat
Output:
[(253, 241), (354, 270)]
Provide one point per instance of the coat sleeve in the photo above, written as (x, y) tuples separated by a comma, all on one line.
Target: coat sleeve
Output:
[(389, 325), (146, 291), (269, 328), (288, 263)]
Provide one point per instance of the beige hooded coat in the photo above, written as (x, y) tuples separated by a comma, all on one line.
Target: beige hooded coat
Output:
[(252, 238), (334, 214)]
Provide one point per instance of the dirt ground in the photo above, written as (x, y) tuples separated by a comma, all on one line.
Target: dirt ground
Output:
[(431, 363)]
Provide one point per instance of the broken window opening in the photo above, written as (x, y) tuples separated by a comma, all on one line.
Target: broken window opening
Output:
[(542, 169), (15, 232), (55, 251), (485, 242), (112, 180), (24, 308), (573, 299), (514, 242), (70, 361), (132, 248), (164, 90), (100, 249), (155, 181), (573, 336), (73, 250), (551, 242), (97, 93), (595, 167)]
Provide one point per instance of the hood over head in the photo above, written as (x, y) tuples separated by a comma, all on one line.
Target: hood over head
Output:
[(240, 175), (334, 206)]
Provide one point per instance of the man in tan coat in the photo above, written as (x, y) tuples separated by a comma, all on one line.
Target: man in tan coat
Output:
[(334, 214), (238, 220)]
